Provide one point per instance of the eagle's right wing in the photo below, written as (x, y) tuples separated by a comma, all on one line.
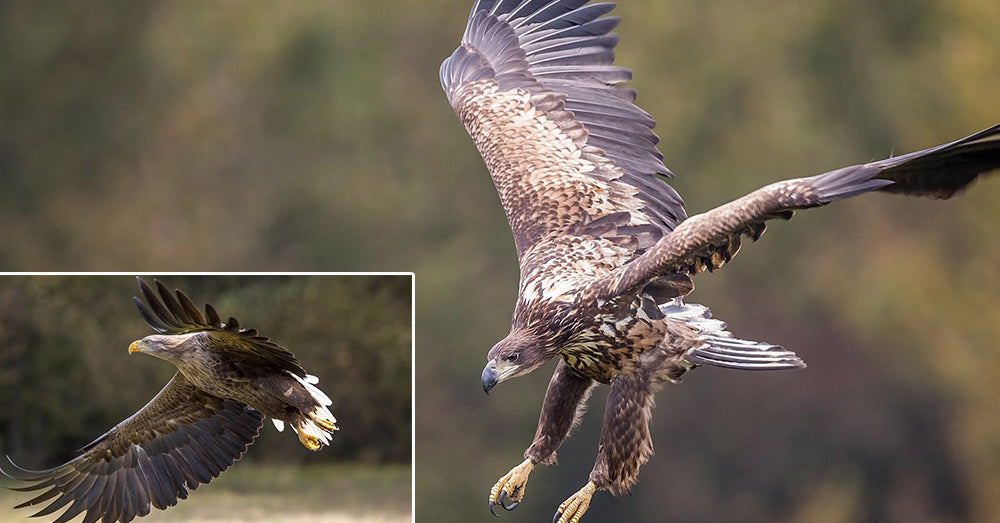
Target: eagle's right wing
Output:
[(708, 240), (179, 440), (534, 84), (170, 314)]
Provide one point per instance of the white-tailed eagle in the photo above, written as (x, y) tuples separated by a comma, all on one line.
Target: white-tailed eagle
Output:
[(228, 380), (606, 249)]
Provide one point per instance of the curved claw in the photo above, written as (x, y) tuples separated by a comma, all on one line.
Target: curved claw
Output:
[(504, 504), (509, 489)]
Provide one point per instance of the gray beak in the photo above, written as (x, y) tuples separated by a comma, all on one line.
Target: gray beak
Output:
[(489, 376)]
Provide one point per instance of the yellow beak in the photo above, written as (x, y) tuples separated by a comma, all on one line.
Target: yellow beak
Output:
[(136, 346)]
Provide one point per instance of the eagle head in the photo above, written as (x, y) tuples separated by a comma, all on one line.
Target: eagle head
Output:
[(516, 355), (171, 347)]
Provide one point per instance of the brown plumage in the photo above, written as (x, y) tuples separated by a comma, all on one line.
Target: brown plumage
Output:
[(605, 247), (202, 421)]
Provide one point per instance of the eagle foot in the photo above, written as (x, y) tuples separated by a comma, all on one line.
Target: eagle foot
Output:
[(325, 424), (310, 442), (509, 489), (571, 510)]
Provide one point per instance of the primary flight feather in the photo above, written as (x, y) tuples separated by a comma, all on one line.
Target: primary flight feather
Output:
[(605, 247)]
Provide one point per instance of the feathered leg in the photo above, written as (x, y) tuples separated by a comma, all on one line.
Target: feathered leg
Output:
[(625, 443), (561, 409)]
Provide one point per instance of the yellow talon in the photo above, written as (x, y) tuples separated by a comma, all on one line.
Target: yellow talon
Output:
[(509, 489), (310, 442), (571, 510), (325, 424)]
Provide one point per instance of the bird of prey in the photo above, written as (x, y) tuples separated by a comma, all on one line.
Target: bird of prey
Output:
[(228, 379), (605, 247)]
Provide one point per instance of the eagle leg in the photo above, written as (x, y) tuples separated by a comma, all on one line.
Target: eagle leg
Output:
[(561, 411), (625, 442), (316, 428), (568, 390), (571, 510), (511, 487)]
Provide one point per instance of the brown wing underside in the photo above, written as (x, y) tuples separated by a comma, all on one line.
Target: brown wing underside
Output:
[(708, 240), (537, 166), (534, 84), (181, 439)]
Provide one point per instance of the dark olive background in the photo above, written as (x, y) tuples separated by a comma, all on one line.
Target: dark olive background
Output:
[(314, 136)]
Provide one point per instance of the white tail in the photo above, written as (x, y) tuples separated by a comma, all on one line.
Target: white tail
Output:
[(720, 348), (317, 426)]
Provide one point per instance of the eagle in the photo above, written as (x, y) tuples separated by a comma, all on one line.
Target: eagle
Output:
[(605, 248), (228, 379)]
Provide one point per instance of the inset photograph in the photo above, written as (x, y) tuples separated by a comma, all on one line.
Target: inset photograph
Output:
[(206, 398)]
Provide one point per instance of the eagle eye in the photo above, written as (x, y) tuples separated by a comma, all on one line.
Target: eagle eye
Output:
[(512, 357)]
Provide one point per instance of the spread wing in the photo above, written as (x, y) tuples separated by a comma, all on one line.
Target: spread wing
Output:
[(707, 241), (534, 84), (182, 438), (168, 314)]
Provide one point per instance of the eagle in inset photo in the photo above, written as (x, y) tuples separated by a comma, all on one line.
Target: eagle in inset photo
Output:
[(605, 246), (228, 380)]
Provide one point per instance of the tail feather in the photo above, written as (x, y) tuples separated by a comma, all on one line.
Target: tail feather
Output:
[(309, 383), (316, 427), (734, 353), (719, 348)]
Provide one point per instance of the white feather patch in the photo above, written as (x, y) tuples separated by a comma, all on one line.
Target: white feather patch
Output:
[(317, 394)]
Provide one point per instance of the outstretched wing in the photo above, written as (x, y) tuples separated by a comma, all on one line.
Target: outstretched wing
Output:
[(181, 439), (168, 314), (534, 84), (942, 171), (708, 240)]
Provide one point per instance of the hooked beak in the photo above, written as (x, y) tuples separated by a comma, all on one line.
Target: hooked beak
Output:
[(136, 346), (489, 376)]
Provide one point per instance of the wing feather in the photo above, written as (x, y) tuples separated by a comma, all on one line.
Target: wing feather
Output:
[(183, 436), (535, 85), (176, 313), (708, 240), (942, 171)]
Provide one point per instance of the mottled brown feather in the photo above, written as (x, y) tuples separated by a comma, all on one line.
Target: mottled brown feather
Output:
[(169, 315), (554, 169), (702, 242), (181, 439)]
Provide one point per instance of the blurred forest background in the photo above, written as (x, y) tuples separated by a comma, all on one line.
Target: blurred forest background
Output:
[(313, 135), (66, 376)]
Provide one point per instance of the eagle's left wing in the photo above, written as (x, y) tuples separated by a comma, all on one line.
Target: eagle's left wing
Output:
[(708, 240), (181, 439), (534, 84)]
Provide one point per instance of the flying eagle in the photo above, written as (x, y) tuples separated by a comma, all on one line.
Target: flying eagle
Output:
[(202, 421), (605, 247)]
